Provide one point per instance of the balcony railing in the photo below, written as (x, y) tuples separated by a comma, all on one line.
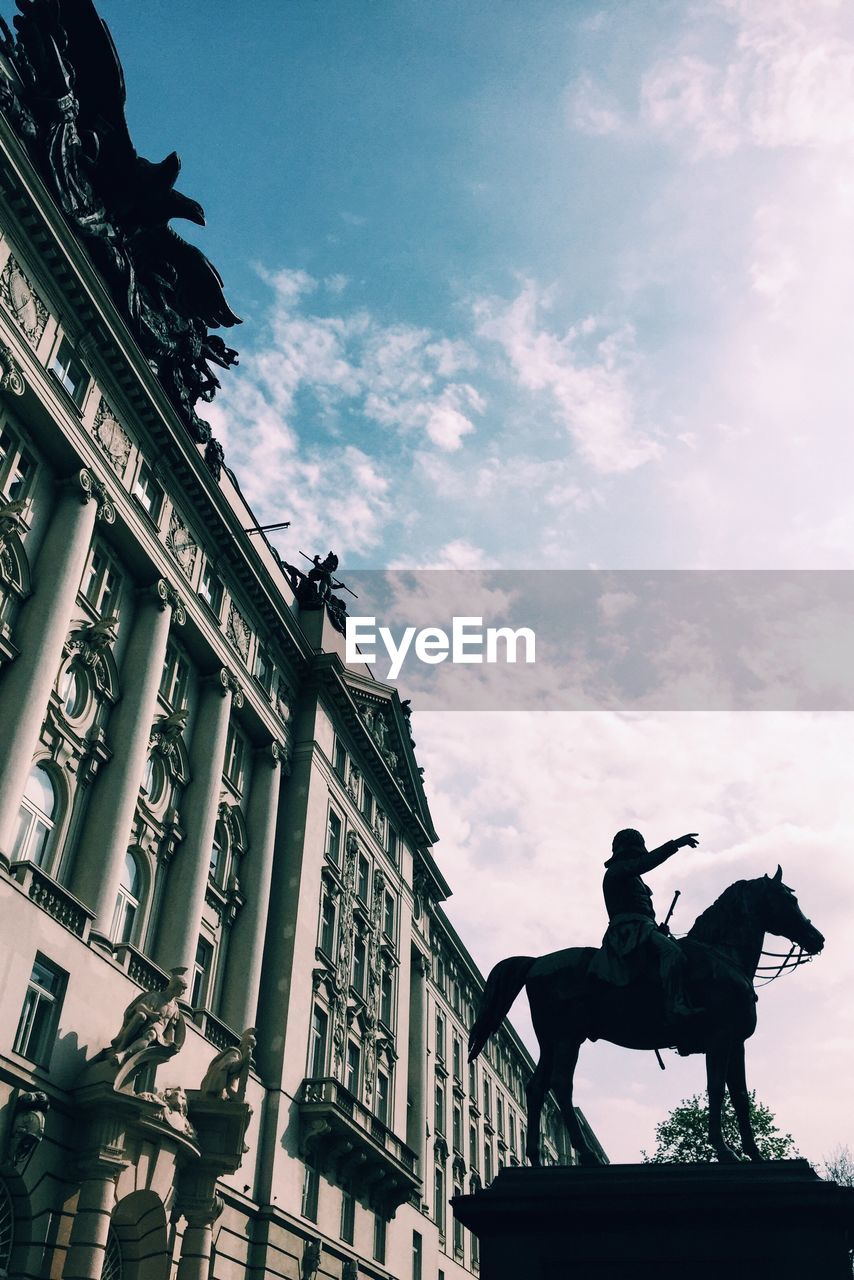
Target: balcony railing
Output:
[(355, 1146), (53, 898)]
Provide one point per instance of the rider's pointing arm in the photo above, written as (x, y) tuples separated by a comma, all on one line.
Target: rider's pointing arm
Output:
[(651, 858)]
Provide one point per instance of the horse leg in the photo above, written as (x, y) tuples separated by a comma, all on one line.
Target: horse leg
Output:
[(565, 1059), (716, 1071), (737, 1085), (535, 1093)]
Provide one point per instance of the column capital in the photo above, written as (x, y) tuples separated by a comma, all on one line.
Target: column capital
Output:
[(168, 597), (229, 683), (279, 753), (421, 963), (201, 1211), (91, 489), (11, 378)]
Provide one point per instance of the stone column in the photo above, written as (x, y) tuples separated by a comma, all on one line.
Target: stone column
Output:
[(416, 1121), (195, 1260), (246, 947), (108, 825), (42, 632), (91, 1225), (184, 896)]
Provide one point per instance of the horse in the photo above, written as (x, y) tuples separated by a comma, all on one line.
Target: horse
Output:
[(722, 951)]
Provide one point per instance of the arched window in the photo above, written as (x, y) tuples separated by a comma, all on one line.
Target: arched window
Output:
[(36, 817), (154, 781), (74, 691), (113, 1268), (7, 1229), (127, 901)]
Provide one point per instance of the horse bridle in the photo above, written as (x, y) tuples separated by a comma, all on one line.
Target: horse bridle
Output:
[(787, 963)]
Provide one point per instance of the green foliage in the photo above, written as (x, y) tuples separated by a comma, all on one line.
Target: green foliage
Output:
[(684, 1136)]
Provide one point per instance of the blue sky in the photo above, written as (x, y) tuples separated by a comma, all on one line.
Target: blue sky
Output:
[(534, 284)]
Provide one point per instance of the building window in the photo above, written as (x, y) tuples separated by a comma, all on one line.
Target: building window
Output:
[(235, 756), (148, 492), (367, 804), (458, 1229), (101, 583), (487, 1161), (382, 1097), (439, 1108), (154, 780), (379, 1238), (440, 1036), (317, 1043), (333, 837), (74, 691), (310, 1192), (36, 818), (487, 1099), (340, 760), (39, 1018), (348, 1216), (173, 681), (513, 1132), (127, 902), (354, 1067), (473, 1146), (439, 1199), (458, 1058), (417, 1255), (17, 468), (219, 854), (210, 588), (265, 671), (457, 1136), (500, 1106), (386, 998), (363, 888), (472, 1084), (392, 843), (389, 914), (200, 974), (69, 371), (327, 926), (359, 959)]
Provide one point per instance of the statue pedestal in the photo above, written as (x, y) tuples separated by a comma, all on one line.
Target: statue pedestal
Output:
[(772, 1221)]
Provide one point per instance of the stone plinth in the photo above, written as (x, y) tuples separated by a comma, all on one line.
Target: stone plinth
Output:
[(704, 1221)]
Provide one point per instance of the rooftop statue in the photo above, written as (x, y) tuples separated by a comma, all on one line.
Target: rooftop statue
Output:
[(317, 587), (153, 1018), (227, 1073), (64, 90), (645, 990)]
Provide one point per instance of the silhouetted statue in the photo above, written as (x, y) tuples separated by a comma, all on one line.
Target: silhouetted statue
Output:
[(633, 939), (631, 992)]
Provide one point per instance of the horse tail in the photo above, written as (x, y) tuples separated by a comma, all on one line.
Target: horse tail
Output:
[(502, 987)]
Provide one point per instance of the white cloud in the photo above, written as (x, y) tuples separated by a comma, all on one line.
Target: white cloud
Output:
[(584, 377), (590, 109)]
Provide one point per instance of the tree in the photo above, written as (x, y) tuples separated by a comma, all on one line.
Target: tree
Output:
[(839, 1166), (684, 1136)]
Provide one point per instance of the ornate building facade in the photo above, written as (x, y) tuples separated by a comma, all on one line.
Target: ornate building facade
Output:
[(234, 1012)]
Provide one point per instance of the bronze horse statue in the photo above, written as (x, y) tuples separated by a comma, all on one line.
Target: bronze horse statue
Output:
[(568, 1006)]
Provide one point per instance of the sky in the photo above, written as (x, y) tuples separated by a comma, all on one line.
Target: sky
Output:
[(542, 286)]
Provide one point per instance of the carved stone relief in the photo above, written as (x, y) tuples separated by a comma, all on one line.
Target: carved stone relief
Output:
[(21, 299), (112, 437)]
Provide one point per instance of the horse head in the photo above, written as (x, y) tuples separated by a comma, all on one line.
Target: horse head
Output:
[(780, 914)]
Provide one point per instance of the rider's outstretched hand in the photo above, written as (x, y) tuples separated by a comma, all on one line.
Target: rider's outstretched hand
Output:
[(692, 839)]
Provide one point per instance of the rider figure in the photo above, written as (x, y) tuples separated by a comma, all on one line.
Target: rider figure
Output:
[(632, 937)]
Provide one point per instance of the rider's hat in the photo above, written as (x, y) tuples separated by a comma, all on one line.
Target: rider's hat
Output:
[(626, 844)]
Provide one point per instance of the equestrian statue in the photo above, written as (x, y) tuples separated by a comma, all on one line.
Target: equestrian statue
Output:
[(644, 989)]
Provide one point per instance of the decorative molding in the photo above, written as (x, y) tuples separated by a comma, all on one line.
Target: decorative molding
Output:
[(168, 597), (237, 631), (11, 377), (22, 301), (281, 754), (93, 489), (182, 544), (111, 436)]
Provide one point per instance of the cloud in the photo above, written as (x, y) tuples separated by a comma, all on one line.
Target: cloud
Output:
[(784, 78), (590, 109), (584, 374)]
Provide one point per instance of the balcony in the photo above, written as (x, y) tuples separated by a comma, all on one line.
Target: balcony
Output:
[(54, 898), (353, 1147)]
